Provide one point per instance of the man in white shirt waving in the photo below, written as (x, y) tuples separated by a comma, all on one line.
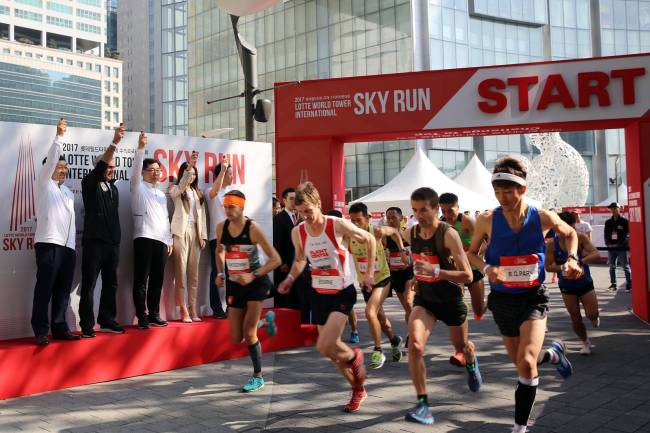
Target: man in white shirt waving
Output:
[(152, 237), (54, 244)]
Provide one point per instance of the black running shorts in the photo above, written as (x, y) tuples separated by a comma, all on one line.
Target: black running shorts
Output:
[(476, 276), (400, 279), (580, 291), (322, 305), (511, 310), (237, 296), (382, 283), (452, 312)]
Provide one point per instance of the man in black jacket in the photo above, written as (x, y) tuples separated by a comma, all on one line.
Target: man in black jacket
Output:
[(283, 223), (101, 243), (617, 234)]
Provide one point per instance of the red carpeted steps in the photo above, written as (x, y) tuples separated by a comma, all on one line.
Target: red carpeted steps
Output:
[(28, 369)]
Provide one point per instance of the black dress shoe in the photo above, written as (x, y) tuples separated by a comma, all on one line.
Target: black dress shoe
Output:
[(157, 321), (42, 340), (67, 336), (220, 315), (112, 327), (143, 323), (88, 334)]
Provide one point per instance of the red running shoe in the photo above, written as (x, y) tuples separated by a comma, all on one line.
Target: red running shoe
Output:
[(358, 396), (458, 359), (358, 368)]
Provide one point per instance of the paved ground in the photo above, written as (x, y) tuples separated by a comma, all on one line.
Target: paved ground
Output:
[(610, 391)]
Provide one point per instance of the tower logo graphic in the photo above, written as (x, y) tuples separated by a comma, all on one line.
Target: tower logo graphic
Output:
[(22, 202)]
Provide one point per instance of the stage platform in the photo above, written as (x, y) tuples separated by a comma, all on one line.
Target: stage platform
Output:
[(29, 369)]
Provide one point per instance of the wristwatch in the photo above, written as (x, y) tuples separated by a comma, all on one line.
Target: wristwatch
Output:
[(574, 257)]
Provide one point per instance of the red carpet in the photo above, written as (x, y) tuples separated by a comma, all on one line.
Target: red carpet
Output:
[(28, 369)]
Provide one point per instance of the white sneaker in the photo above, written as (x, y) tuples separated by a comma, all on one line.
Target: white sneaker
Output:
[(586, 349), (596, 323)]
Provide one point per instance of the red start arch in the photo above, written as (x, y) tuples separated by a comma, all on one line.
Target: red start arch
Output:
[(314, 118)]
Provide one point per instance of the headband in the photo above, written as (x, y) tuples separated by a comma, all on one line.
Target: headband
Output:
[(509, 177), (233, 200)]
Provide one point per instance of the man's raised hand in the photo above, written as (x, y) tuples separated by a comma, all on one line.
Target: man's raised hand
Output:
[(119, 134), (142, 140), (61, 127)]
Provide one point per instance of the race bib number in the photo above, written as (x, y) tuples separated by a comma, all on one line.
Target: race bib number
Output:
[(362, 263), (520, 271), (614, 236), (426, 278), (237, 262), (326, 280), (395, 261)]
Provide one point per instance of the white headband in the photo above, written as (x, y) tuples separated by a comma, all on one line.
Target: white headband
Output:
[(509, 177)]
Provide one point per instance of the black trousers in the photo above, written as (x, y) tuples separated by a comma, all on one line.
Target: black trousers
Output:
[(215, 301), (98, 257), (149, 258), (299, 298), (54, 274)]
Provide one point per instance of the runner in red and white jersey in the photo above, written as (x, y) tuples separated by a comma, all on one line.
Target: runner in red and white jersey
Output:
[(323, 241)]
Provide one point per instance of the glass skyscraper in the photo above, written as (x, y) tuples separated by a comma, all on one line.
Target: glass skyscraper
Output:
[(174, 67), (309, 39)]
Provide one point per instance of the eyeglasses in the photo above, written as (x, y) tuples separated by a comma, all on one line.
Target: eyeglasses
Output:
[(153, 170)]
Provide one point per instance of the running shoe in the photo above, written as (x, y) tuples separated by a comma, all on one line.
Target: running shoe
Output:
[(474, 378), (586, 348), (628, 287), (354, 337), (270, 326), (612, 287), (358, 396), (564, 367), (255, 383), (397, 349), (458, 359), (358, 368), (377, 359), (421, 413)]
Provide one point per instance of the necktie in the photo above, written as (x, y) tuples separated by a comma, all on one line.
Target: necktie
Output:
[(293, 218)]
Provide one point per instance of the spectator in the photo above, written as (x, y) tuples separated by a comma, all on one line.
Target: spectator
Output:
[(582, 227), (214, 196), (617, 234), (189, 236), (283, 223), (54, 245), (277, 207), (152, 237), (101, 243)]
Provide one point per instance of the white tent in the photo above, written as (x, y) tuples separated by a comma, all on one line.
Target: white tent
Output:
[(419, 172), (622, 197), (476, 178)]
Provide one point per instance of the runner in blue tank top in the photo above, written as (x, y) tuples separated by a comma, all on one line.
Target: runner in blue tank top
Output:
[(579, 290), (514, 265)]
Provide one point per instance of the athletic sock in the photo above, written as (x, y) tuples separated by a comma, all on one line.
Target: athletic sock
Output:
[(423, 398), (255, 351), (394, 341), (524, 399), (548, 356)]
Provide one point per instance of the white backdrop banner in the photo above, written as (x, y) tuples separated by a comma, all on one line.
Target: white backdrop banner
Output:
[(23, 147)]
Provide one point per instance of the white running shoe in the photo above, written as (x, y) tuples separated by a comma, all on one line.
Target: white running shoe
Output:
[(596, 322), (586, 348)]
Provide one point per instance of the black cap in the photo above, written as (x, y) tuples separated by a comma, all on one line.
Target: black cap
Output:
[(613, 205)]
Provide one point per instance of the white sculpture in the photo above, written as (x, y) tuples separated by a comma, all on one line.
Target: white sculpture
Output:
[(558, 177)]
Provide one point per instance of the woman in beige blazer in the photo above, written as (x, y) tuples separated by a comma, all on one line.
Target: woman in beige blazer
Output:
[(190, 236)]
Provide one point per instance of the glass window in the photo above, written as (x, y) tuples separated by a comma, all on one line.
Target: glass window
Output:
[(116, 117), (107, 101), (376, 169), (116, 102), (116, 87)]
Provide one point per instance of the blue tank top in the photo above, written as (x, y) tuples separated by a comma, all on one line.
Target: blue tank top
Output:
[(560, 258), (520, 255)]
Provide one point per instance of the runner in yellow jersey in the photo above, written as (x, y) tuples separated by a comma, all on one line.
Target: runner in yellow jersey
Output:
[(377, 294)]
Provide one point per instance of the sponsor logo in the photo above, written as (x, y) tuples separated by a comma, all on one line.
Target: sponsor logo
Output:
[(23, 206)]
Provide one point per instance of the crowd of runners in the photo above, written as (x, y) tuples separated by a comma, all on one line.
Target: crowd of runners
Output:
[(427, 266)]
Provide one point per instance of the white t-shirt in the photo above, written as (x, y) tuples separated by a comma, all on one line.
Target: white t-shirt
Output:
[(191, 198), (583, 227), (215, 209)]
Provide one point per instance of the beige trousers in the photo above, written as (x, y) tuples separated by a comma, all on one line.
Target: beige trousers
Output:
[(187, 252)]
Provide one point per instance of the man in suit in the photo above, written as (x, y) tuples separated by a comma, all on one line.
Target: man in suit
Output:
[(283, 223)]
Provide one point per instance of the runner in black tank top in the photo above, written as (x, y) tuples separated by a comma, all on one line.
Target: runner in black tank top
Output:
[(440, 268), (400, 274), (247, 282)]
